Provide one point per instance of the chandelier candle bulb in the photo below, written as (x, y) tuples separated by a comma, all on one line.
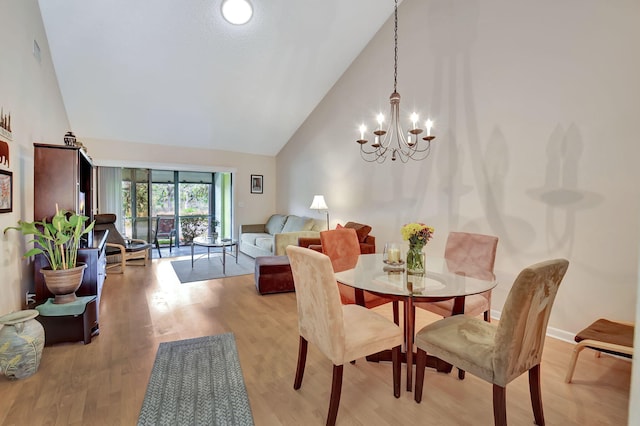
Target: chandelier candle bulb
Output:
[(429, 125), (414, 120)]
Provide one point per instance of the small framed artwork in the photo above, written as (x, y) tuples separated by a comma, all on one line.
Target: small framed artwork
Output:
[(6, 191), (256, 184)]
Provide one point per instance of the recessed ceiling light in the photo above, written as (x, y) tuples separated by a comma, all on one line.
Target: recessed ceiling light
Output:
[(237, 12)]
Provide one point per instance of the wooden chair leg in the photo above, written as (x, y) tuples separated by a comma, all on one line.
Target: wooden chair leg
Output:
[(499, 405), (487, 316), (536, 395), (460, 374), (336, 389), (302, 360), (395, 359), (396, 312), (421, 362), (572, 363)]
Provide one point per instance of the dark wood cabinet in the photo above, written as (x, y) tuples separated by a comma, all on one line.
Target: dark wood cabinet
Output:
[(62, 175)]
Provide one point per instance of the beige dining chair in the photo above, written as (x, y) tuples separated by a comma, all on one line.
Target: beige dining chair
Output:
[(471, 255), (341, 332), (499, 354), (343, 248)]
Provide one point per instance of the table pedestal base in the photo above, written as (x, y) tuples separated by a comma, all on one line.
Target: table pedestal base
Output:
[(436, 363)]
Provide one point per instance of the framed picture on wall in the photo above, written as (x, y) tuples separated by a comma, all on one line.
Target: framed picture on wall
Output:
[(6, 191), (256, 184)]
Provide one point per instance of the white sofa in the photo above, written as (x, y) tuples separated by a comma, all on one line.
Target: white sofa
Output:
[(272, 238)]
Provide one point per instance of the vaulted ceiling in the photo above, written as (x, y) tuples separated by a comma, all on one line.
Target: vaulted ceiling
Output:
[(176, 73)]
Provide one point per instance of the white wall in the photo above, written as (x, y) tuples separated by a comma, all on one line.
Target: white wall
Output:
[(249, 208), (29, 91), (536, 141), (536, 107)]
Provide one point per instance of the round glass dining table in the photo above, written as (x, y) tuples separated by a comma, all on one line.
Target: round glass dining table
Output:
[(443, 279)]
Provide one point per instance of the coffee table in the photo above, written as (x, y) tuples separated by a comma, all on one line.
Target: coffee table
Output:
[(209, 243)]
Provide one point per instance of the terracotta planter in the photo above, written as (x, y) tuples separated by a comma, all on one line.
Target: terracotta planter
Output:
[(63, 283), (21, 343)]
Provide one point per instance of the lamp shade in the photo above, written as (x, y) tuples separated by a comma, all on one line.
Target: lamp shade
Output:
[(318, 203)]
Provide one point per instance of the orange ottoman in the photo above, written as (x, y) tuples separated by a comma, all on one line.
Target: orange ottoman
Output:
[(273, 275)]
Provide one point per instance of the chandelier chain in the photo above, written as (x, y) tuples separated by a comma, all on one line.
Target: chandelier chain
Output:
[(395, 57)]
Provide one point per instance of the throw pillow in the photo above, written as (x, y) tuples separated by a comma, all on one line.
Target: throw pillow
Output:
[(361, 230), (275, 223), (297, 223)]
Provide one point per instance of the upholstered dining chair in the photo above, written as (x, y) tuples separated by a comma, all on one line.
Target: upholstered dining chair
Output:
[(119, 250), (343, 248), (499, 354), (469, 254), (341, 332)]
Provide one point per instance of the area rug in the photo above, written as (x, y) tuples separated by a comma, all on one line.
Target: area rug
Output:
[(210, 268), (197, 382)]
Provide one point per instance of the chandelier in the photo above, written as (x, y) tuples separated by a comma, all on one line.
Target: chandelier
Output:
[(393, 140)]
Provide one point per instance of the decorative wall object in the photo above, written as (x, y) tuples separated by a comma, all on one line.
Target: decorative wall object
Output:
[(6, 191), (256, 184), (5, 127), (4, 154)]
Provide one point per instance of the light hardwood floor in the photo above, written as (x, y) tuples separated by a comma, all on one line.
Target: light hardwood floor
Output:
[(103, 383)]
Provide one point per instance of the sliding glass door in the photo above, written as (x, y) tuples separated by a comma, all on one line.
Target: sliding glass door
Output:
[(200, 202)]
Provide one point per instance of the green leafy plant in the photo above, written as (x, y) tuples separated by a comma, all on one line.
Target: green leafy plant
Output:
[(59, 240), (192, 227)]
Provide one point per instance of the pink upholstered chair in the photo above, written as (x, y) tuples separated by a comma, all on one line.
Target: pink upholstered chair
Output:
[(499, 354), (471, 255), (343, 248), (342, 333)]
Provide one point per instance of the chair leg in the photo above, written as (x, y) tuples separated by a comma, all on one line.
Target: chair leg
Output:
[(157, 243), (487, 316), (421, 362), (396, 312), (460, 374), (302, 360), (336, 389), (395, 359), (572, 363), (499, 405), (536, 395)]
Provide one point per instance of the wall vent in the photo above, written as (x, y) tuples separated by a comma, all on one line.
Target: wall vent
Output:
[(36, 51)]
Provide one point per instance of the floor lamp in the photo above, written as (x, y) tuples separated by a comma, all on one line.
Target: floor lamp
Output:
[(318, 203)]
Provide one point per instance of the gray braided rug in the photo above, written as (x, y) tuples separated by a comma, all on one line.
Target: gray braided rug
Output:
[(197, 382)]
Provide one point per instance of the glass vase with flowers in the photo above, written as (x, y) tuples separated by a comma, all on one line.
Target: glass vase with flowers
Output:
[(418, 235)]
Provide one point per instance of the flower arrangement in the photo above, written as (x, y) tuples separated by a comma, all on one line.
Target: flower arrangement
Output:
[(418, 234)]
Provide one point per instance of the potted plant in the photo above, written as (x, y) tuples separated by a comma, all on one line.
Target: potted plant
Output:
[(58, 242)]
